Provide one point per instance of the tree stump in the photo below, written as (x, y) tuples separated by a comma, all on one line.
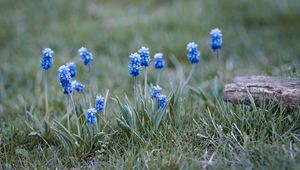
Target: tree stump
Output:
[(277, 89)]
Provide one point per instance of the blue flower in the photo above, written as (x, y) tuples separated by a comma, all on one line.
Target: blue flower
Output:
[(72, 68), (65, 79), (193, 53), (135, 64), (86, 56), (145, 56), (47, 58), (155, 92), (216, 39), (91, 115), (162, 100), (159, 62), (99, 104), (77, 86)]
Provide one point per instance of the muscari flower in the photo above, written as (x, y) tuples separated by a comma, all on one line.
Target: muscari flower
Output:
[(162, 100), (47, 58), (65, 79), (99, 104), (216, 39), (72, 68), (86, 56), (159, 62), (91, 115), (77, 86), (135, 64), (145, 56), (155, 92), (193, 53)]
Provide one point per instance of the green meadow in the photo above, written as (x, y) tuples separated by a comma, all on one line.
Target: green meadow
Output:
[(195, 130)]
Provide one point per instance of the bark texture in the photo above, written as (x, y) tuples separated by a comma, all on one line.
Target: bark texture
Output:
[(277, 89)]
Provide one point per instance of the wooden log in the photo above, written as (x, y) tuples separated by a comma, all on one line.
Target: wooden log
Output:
[(277, 89)]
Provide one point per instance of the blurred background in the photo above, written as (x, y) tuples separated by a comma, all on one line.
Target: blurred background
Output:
[(259, 37)]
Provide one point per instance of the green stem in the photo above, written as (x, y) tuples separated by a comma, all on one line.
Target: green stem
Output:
[(145, 83), (158, 77), (68, 113), (98, 124), (106, 97), (136, 89), (46, 94), (90, 84), (77, 119), (189, 76), (219, 64)]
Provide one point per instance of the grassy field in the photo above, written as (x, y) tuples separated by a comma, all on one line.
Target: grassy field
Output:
[(197, 130)]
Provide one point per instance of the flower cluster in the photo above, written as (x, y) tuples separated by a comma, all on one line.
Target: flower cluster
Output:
[(193, 53), (99, 103), (162, 100), (145, 56), (86, 56), (65, 79), (159, 61), (157, 95), (156, 90), (135, 64), (216, 39), (91, 115), (77, 86), (72, 68), (47, 58)]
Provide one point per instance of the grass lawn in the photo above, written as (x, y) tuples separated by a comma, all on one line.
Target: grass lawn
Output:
[(195, 129)]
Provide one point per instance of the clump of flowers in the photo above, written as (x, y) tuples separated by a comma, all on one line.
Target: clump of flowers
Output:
[(193, 53), (78, 86), (86, 56), (91, 115), (72, 68), (156, 91), (65, 79), (135, 64), (100, 101), (158, 96), (159, 63), (145, 56), (47, 58), (162, 100), (137, 60), (216, 39)]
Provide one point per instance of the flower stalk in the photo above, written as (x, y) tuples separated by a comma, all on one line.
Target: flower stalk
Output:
[(90, 84), (157, 77), (68, 112), (190, 75), (145, 83), (46, 94), (77, 119), (136, 89)]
